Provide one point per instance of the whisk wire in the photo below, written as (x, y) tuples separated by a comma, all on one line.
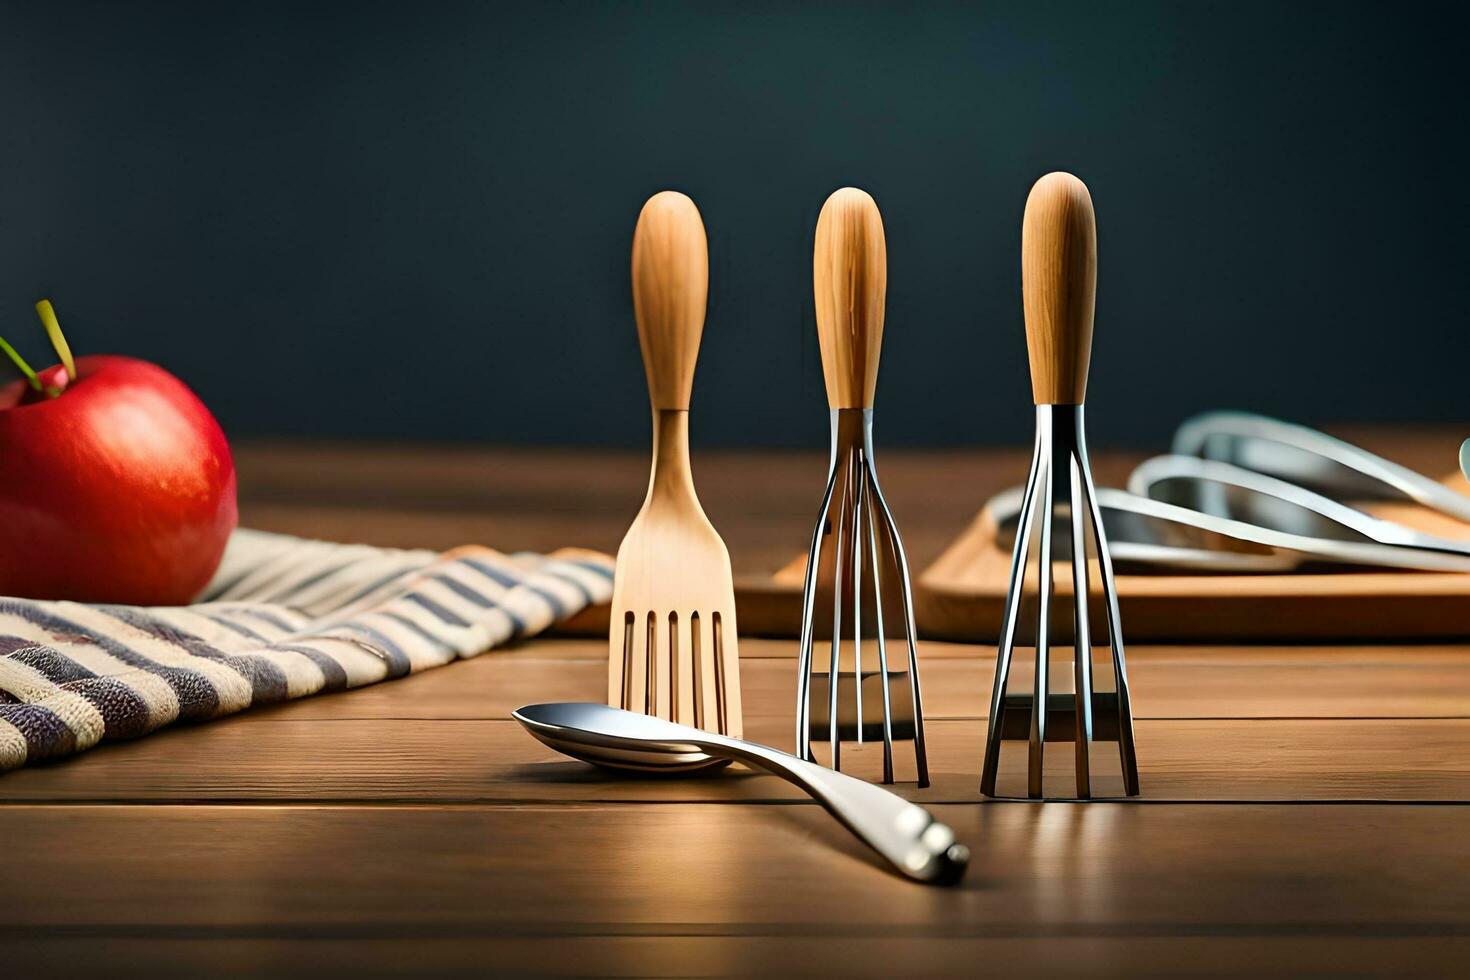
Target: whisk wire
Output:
[(1127, 756), (1060, 482), (808, 609), (1042, 678), (853, 508), (840, 535), (1081, 630), (1009, 618), (859, 482), (882, 642), (906, 599)]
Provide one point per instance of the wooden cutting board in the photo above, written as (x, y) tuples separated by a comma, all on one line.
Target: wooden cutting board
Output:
[(960, 597), (962, 594)]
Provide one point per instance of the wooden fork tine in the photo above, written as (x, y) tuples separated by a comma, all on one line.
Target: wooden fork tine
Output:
[(630, 647), (720, 644), (684, 691)]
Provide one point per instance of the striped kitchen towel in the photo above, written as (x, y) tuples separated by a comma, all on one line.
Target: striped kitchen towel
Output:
[(284, 618)]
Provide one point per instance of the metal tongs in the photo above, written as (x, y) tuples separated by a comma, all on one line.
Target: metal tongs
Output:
[(1245, 493), (1311, 460)]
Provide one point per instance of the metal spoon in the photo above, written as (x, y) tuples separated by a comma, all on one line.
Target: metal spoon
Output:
[(916, 844)]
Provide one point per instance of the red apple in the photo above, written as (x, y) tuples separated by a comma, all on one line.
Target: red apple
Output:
[(116, 484)]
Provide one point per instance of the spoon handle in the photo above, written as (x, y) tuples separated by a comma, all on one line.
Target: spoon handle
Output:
[(906, 834)]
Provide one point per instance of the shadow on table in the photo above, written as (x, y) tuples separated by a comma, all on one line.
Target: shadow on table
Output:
[(798, 813), (584, 773)]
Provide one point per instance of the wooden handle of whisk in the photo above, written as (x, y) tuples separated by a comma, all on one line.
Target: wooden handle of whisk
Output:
[(1058, 287), (850, 282), (670, 286)]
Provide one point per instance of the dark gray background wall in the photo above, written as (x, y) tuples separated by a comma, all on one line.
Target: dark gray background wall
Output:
[(413, 219)]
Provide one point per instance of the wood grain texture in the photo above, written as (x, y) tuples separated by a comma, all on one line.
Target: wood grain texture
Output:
[(253, 757), (408, 829), (850, 284), (732, 890), (1059, 287), (1052, 869), (1174, 682), (1203, 951), (670, 287)]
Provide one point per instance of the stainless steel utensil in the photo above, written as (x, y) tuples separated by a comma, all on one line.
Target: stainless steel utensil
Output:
[(1311, 459), (1059, 279), (1223, 490), (916, 844), (850, 274), (1147, 533), (1185, 513)]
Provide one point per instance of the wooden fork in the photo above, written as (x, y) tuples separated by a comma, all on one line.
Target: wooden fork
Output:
[(672, 643)]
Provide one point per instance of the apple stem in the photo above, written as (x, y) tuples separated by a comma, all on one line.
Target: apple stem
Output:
[(58, 339), (53, 331), (20, 362)]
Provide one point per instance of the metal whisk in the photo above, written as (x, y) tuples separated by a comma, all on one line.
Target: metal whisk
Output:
[(1059, 284), (856, 563)]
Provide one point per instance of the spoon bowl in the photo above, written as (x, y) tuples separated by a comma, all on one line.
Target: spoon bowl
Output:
[(577, 730)]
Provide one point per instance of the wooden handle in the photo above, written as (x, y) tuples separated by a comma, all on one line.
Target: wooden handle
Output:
[(850, 280), (1058, 287), (670, 285)]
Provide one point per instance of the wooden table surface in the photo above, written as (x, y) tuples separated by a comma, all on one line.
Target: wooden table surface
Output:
[(1304, 808)]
